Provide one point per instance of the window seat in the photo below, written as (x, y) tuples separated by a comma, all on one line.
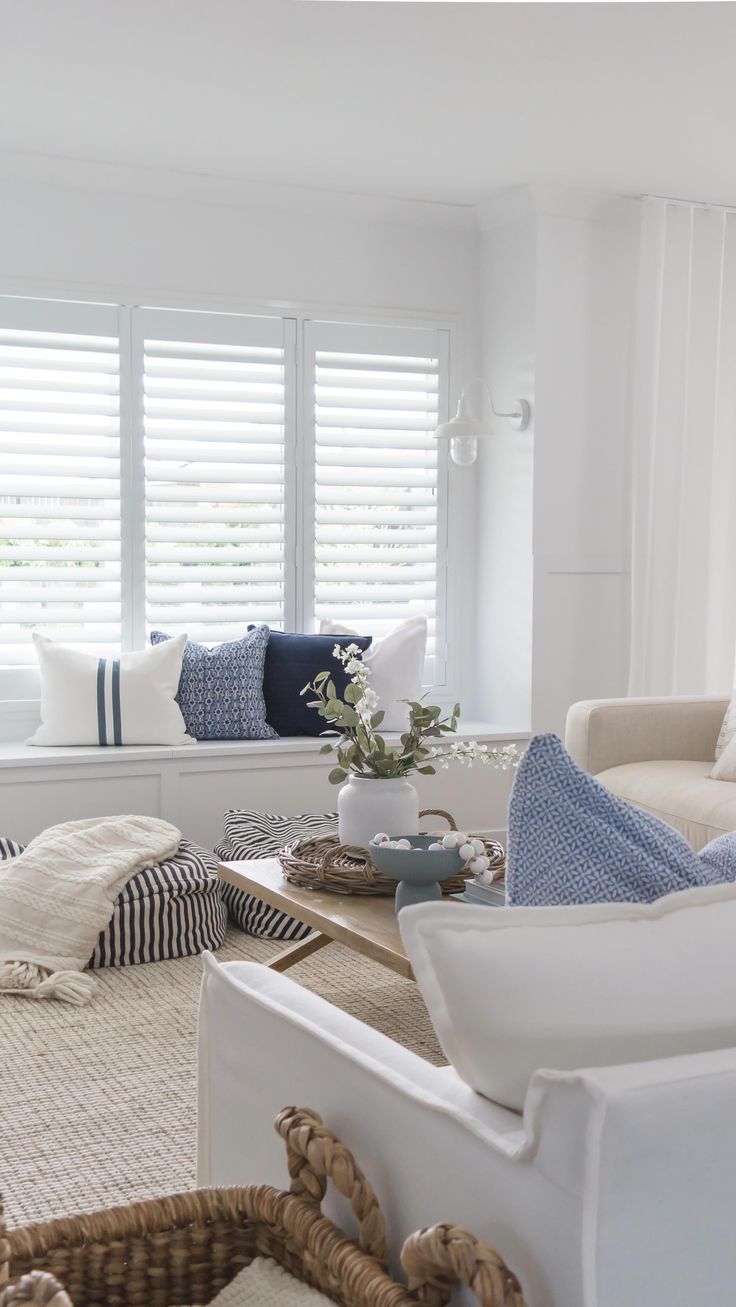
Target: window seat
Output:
[(17, 753), (193, 785)]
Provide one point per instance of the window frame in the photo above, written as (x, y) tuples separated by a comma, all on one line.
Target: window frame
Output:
[(21, 685)]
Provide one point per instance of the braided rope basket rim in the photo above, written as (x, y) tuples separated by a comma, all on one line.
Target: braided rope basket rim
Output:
[(321, 862), (185, 1248)]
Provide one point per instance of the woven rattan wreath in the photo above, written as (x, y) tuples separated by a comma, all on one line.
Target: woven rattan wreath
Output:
[(322, 863)]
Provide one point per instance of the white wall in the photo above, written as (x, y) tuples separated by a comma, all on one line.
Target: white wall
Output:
[(418, 258), (553, 549)]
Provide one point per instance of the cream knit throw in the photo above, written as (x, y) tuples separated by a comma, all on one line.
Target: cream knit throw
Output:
[(58, 895), (266, 1284)]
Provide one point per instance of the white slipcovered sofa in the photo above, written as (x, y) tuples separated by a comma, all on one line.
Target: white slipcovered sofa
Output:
[(658, 754), (617, 1188)]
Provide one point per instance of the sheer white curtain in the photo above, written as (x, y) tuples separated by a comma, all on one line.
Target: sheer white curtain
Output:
[(683, 621)]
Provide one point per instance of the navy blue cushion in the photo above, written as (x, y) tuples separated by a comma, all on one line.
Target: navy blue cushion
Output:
[(221, 689), (291, 662), (572, 841)]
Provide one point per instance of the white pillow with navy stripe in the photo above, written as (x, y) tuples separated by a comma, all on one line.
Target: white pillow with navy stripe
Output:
[(130, 699)]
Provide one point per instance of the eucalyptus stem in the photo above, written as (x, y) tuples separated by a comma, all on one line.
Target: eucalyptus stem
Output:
[(359, 747)]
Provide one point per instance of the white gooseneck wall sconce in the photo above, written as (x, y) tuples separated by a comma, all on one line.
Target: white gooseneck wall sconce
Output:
[(464, 430)]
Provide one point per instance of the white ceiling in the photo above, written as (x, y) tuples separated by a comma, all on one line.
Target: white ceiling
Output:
[(445, 102)]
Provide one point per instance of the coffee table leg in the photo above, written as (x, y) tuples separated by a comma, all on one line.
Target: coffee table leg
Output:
[(297, 952)]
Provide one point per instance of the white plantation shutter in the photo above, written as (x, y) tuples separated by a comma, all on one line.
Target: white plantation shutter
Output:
[(375, 535), (60, 554), (215, 427)]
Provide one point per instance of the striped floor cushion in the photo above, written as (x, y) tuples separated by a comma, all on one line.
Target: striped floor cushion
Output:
[(262, 835), (171, 910)]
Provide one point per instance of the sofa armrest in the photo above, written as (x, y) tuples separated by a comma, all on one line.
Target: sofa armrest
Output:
[(660, 1176), (603, 733)]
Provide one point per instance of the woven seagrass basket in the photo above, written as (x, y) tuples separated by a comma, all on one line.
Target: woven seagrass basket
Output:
[(182, 1250), (323, 863)]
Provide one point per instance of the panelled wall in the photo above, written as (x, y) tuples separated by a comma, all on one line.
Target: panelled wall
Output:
[(557, 288)]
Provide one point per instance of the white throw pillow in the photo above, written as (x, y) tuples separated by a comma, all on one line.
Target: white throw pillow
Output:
[(396, 664), (514, 990), (130, 699), (726, 734), (725, 766)]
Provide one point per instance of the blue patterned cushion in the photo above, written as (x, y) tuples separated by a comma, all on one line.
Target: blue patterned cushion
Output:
[(221, 689), (572, 841)]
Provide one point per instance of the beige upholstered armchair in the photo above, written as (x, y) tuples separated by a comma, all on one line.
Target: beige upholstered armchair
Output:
[(658, 754)]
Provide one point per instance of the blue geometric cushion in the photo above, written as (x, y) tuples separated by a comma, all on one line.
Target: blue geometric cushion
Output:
[(221, 689), (293, 660), (572, 841)]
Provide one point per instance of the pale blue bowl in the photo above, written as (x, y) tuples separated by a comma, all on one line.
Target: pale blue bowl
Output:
[(418, 874)]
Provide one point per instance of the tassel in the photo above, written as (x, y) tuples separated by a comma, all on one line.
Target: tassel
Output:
[(28, 980)]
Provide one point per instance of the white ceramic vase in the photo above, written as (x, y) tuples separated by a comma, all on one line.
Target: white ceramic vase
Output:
[(366, 806)]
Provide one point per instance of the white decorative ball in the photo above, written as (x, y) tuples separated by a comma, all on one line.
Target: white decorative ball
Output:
[(479, 848), (485, 877), (449, 841), (460, 837), (477, 865), (403, 844), (434, 848), (389, 844), (484, 862), (466, 851), (380, 838)]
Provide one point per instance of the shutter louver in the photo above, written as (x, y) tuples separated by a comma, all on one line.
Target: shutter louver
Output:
[(377, 519), (214, 427), (60, 570)]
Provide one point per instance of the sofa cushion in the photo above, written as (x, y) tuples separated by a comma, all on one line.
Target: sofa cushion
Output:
[(681, 793), (514, 990)]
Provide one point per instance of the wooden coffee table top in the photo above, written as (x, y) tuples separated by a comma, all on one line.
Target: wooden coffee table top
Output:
[(365, 922)]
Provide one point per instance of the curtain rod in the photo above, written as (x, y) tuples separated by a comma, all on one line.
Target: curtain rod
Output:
[(693, 204)]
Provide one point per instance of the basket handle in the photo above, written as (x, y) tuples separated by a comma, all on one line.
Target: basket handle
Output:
[(314, 1156), (438, 1259), (439, 812)]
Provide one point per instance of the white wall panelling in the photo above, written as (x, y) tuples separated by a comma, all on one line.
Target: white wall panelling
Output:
[(194, 786), (557, 292)]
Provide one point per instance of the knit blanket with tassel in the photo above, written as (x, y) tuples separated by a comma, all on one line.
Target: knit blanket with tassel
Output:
[(58, 895)]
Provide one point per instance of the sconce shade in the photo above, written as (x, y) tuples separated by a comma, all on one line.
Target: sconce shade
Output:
[(463, 423)]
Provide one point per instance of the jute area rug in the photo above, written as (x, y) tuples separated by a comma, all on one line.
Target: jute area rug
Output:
[(98, 1104)]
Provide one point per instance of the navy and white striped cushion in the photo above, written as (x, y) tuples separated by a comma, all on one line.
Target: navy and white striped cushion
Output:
[(9, 848), (250, 835), (172, 910)]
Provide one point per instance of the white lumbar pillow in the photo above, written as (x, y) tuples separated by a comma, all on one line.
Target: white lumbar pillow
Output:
[(396, 665), (513, 990), (130, 699)]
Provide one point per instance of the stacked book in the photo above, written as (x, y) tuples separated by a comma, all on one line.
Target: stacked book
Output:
[(493, 896)]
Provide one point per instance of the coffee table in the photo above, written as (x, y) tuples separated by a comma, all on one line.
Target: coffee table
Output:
[(365, 922)]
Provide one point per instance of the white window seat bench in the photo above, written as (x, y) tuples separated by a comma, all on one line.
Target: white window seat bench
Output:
[(193, 785)]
